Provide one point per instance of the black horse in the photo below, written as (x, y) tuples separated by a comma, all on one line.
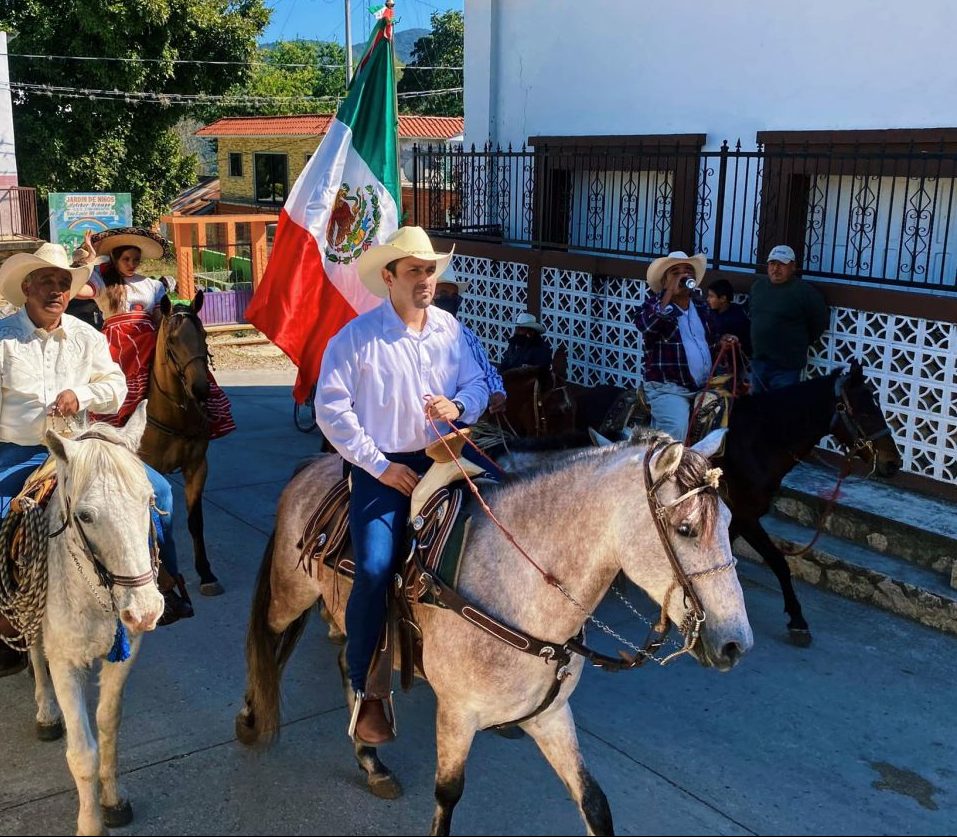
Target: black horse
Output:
[(770, 432)]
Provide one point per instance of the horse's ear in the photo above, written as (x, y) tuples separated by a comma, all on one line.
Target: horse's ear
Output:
[(711, 444), (560, 363), (60, 447), (856, 373), (198, 302), (132, 433), (166, 306), (597, 439), (666, 463)]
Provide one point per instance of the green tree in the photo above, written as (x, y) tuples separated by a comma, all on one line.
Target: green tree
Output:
[(322, 75), (92, 144), (444, 46)]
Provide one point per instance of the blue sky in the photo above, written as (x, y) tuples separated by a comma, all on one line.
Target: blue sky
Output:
[(325, 19)]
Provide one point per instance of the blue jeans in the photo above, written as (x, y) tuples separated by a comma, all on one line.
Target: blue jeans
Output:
[(670, 407), (766, 376), (378, 516), (17, 462)]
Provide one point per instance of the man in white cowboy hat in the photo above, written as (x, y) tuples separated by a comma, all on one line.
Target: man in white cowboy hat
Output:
[(787, 316), (679, 340), (527, 346), (53, 367), (448, 297), (384, 377)]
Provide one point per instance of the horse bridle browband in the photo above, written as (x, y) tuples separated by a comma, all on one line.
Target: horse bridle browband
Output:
[(107, 579)]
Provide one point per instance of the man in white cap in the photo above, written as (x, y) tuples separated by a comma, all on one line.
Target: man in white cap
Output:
[(384, 376), (787, 316), (678, 340), (527, 346), (448, 297)]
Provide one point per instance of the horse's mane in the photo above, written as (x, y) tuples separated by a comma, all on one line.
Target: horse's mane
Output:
[(96, 457)]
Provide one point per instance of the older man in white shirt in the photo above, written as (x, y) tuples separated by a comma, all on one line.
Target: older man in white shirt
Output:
[(383, 377), (53, 368)]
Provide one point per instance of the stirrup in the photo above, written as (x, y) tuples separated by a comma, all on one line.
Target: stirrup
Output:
[(360, 696)]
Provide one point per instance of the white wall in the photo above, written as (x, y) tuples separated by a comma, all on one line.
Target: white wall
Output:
[(728, 69), (8, 160)]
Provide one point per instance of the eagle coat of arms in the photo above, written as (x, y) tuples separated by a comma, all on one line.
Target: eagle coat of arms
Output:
[(353, 223)]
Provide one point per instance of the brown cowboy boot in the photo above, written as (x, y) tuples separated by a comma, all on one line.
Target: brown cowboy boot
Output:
[(372, 725)]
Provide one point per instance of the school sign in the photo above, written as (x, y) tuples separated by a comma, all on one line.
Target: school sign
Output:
[(73, 213)]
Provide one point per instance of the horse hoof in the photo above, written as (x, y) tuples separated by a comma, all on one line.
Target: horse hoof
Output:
[(50, 732), (116, 816), (801, 637), (212, 588), (511, 733), (384, 785)]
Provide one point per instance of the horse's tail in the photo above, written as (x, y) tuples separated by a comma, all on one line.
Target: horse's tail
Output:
[(266, 656)]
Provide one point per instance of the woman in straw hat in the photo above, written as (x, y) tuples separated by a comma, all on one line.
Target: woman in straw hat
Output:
[(131, 307), (679, 340)]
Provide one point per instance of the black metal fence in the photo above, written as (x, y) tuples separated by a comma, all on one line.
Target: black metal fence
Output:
[(878, 216)]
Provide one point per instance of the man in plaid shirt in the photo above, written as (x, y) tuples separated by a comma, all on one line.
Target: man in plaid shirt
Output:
[(679, 340)]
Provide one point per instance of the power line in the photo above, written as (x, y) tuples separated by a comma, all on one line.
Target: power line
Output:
[(199, 61)]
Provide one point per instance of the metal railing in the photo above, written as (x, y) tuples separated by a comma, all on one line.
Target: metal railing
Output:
[(875, 216), (18, 212)]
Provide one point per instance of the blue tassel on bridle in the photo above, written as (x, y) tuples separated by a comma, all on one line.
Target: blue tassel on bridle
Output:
[(121, 645)]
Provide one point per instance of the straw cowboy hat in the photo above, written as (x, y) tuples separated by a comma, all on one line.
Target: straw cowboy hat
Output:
[(16, 268), (659, 267), (405, 242), (450, 277), (151, 245), (527, 320)]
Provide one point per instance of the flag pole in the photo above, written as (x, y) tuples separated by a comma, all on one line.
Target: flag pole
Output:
[(348, 42)]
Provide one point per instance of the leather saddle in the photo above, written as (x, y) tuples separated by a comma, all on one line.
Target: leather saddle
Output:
[(437, 534)]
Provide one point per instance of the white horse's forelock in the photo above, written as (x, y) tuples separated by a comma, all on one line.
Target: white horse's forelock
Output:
[(96, 457)]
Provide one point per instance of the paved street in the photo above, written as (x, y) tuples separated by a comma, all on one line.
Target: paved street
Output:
[(855, 735)]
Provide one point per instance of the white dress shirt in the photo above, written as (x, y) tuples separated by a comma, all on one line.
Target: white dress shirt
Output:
[(695, 342), (37, 365), (375, 375), (143, 293)]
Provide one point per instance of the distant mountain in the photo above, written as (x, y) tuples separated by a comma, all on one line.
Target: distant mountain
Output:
[(404, 43)]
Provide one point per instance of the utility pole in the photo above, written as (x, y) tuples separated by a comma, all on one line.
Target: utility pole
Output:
[(348, 42)]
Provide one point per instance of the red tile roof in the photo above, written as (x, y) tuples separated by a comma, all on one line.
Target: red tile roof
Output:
[(315, 124)]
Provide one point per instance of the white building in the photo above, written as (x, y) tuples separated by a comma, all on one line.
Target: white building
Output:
[(8, 157)]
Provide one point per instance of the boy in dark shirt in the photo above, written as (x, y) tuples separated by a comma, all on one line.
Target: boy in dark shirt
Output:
[(729, 317)]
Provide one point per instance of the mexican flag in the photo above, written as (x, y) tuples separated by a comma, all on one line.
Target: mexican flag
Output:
[(346, 199)]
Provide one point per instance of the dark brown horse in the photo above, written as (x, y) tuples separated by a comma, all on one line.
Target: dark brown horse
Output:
[(178, 428), (539, 401)]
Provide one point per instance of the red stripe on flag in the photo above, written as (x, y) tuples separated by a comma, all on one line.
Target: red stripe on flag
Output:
[(295, 305)]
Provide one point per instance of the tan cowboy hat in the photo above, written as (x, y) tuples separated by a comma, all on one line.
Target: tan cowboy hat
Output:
[(403, 243), (151, 245), (658, 268), (450, 277), (16, 268), (527, 320)]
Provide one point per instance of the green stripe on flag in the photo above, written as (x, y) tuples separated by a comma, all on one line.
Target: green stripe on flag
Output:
[(372, 113)]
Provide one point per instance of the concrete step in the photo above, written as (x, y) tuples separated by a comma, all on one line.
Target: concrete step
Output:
[(864, 574), (919, 529)]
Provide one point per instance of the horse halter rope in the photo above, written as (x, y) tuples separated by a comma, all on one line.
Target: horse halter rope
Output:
[(106, 578)]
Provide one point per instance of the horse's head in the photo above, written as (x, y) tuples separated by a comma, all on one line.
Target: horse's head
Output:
[(692, 577), (539, 402), (182, 342), (104, 511), (859, 424)]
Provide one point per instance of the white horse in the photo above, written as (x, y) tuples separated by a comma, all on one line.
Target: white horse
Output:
[(101, 577)]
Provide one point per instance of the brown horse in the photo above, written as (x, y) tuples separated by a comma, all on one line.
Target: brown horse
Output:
[(178, 429), (590, 519), (539, 402)]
